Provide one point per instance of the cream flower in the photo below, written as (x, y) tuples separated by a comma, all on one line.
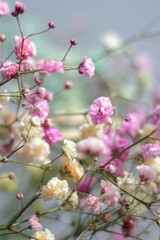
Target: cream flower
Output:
[(43, 235), (35, 151), (90, 130), (69, 148), (71, 202), (55, 189)]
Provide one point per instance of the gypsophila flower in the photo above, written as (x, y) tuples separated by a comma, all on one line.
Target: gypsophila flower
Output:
[(150, 151), (35, 151), (146, 173), (29, 48), (53, 66), (35, 223), (94, 204), (9, 70), (44, 235), (55, 189), (40, 109), (91, 146), (111, 192), (87, 67), (4, 9), (69, 149), (71, 202), (91, 130), (111, 40), (51, 135), (101, 110)]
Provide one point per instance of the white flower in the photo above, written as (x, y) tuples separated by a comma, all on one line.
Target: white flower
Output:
[(69, 148), (111, 40), (55, 189), (43, 235)]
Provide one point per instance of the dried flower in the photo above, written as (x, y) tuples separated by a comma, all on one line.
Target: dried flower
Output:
[(35, 223), (43, 235), (69, 149), (94, 204), (87, 67), (146, 173)]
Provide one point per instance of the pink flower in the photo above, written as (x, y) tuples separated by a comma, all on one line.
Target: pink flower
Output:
[(111, 191), (132, 123), (51, 135), (146, 173), (101, 110), (87, 67), (87, 185), (155, 113), (53, 66), (144, 62), (115, 167), (9, 70), (94, 204), (20, 8), (91, 146), (40, 65), (129, 223), (4, 8), (29, 48), (150, 150), (40, 109), (35, 223)]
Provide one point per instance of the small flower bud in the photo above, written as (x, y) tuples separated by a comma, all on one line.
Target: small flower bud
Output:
[(12, 176), (25, 92), (35, 121), (68, 85), (2, 38), (41, 92), (4, 159), (73, 42), (51, 25), (20, 196), (20, 8), (14, 13), (38, 81)]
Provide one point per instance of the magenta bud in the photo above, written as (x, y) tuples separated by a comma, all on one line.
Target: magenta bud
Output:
[(12, 176), (51, 25), (68, 85), (14, 13), (73, 42), (20, 196), (4, 159), (20, 8), (49, 122), (2, 38), (38, 81)]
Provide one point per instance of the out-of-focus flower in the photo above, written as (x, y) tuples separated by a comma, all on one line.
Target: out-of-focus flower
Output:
[(9, 70), (72, 168), (129, 223), (71, 202), (94, 204), (144, 62), (101, 110), (111, 40), (115, 167), (146, 173), (111, 192), (40, 109), (55, 189), (4, 8), (44, 235), (150, 151), (91, 146), (87, 67), (69, 149), (155, 114), (53, 66), (34, 151), (20, 8), (51, 135), (35, 223), (90, 130), (29, 48), (87, 184)]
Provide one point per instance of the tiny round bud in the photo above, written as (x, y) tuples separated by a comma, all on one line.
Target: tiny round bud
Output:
[(20, 7), (14, 13), (127, 204), (4, 159), (41, 92), (73, 42), (35, 121), (37, 213), (68, 85), (51, 25), (2, 38), (11, 175), (20, 196), (38, 81), (49, 122)]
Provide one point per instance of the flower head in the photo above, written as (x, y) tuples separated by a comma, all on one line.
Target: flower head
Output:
[(35, 223), (87, 67), (9, 70), (51, 135), (146, 173), (101, 110), (112, 193), (69, 149), (44, 235), (55, 189), (94, 204), (150, 150), (40, 109), (4, 8), (53, 66), (29, 48)]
